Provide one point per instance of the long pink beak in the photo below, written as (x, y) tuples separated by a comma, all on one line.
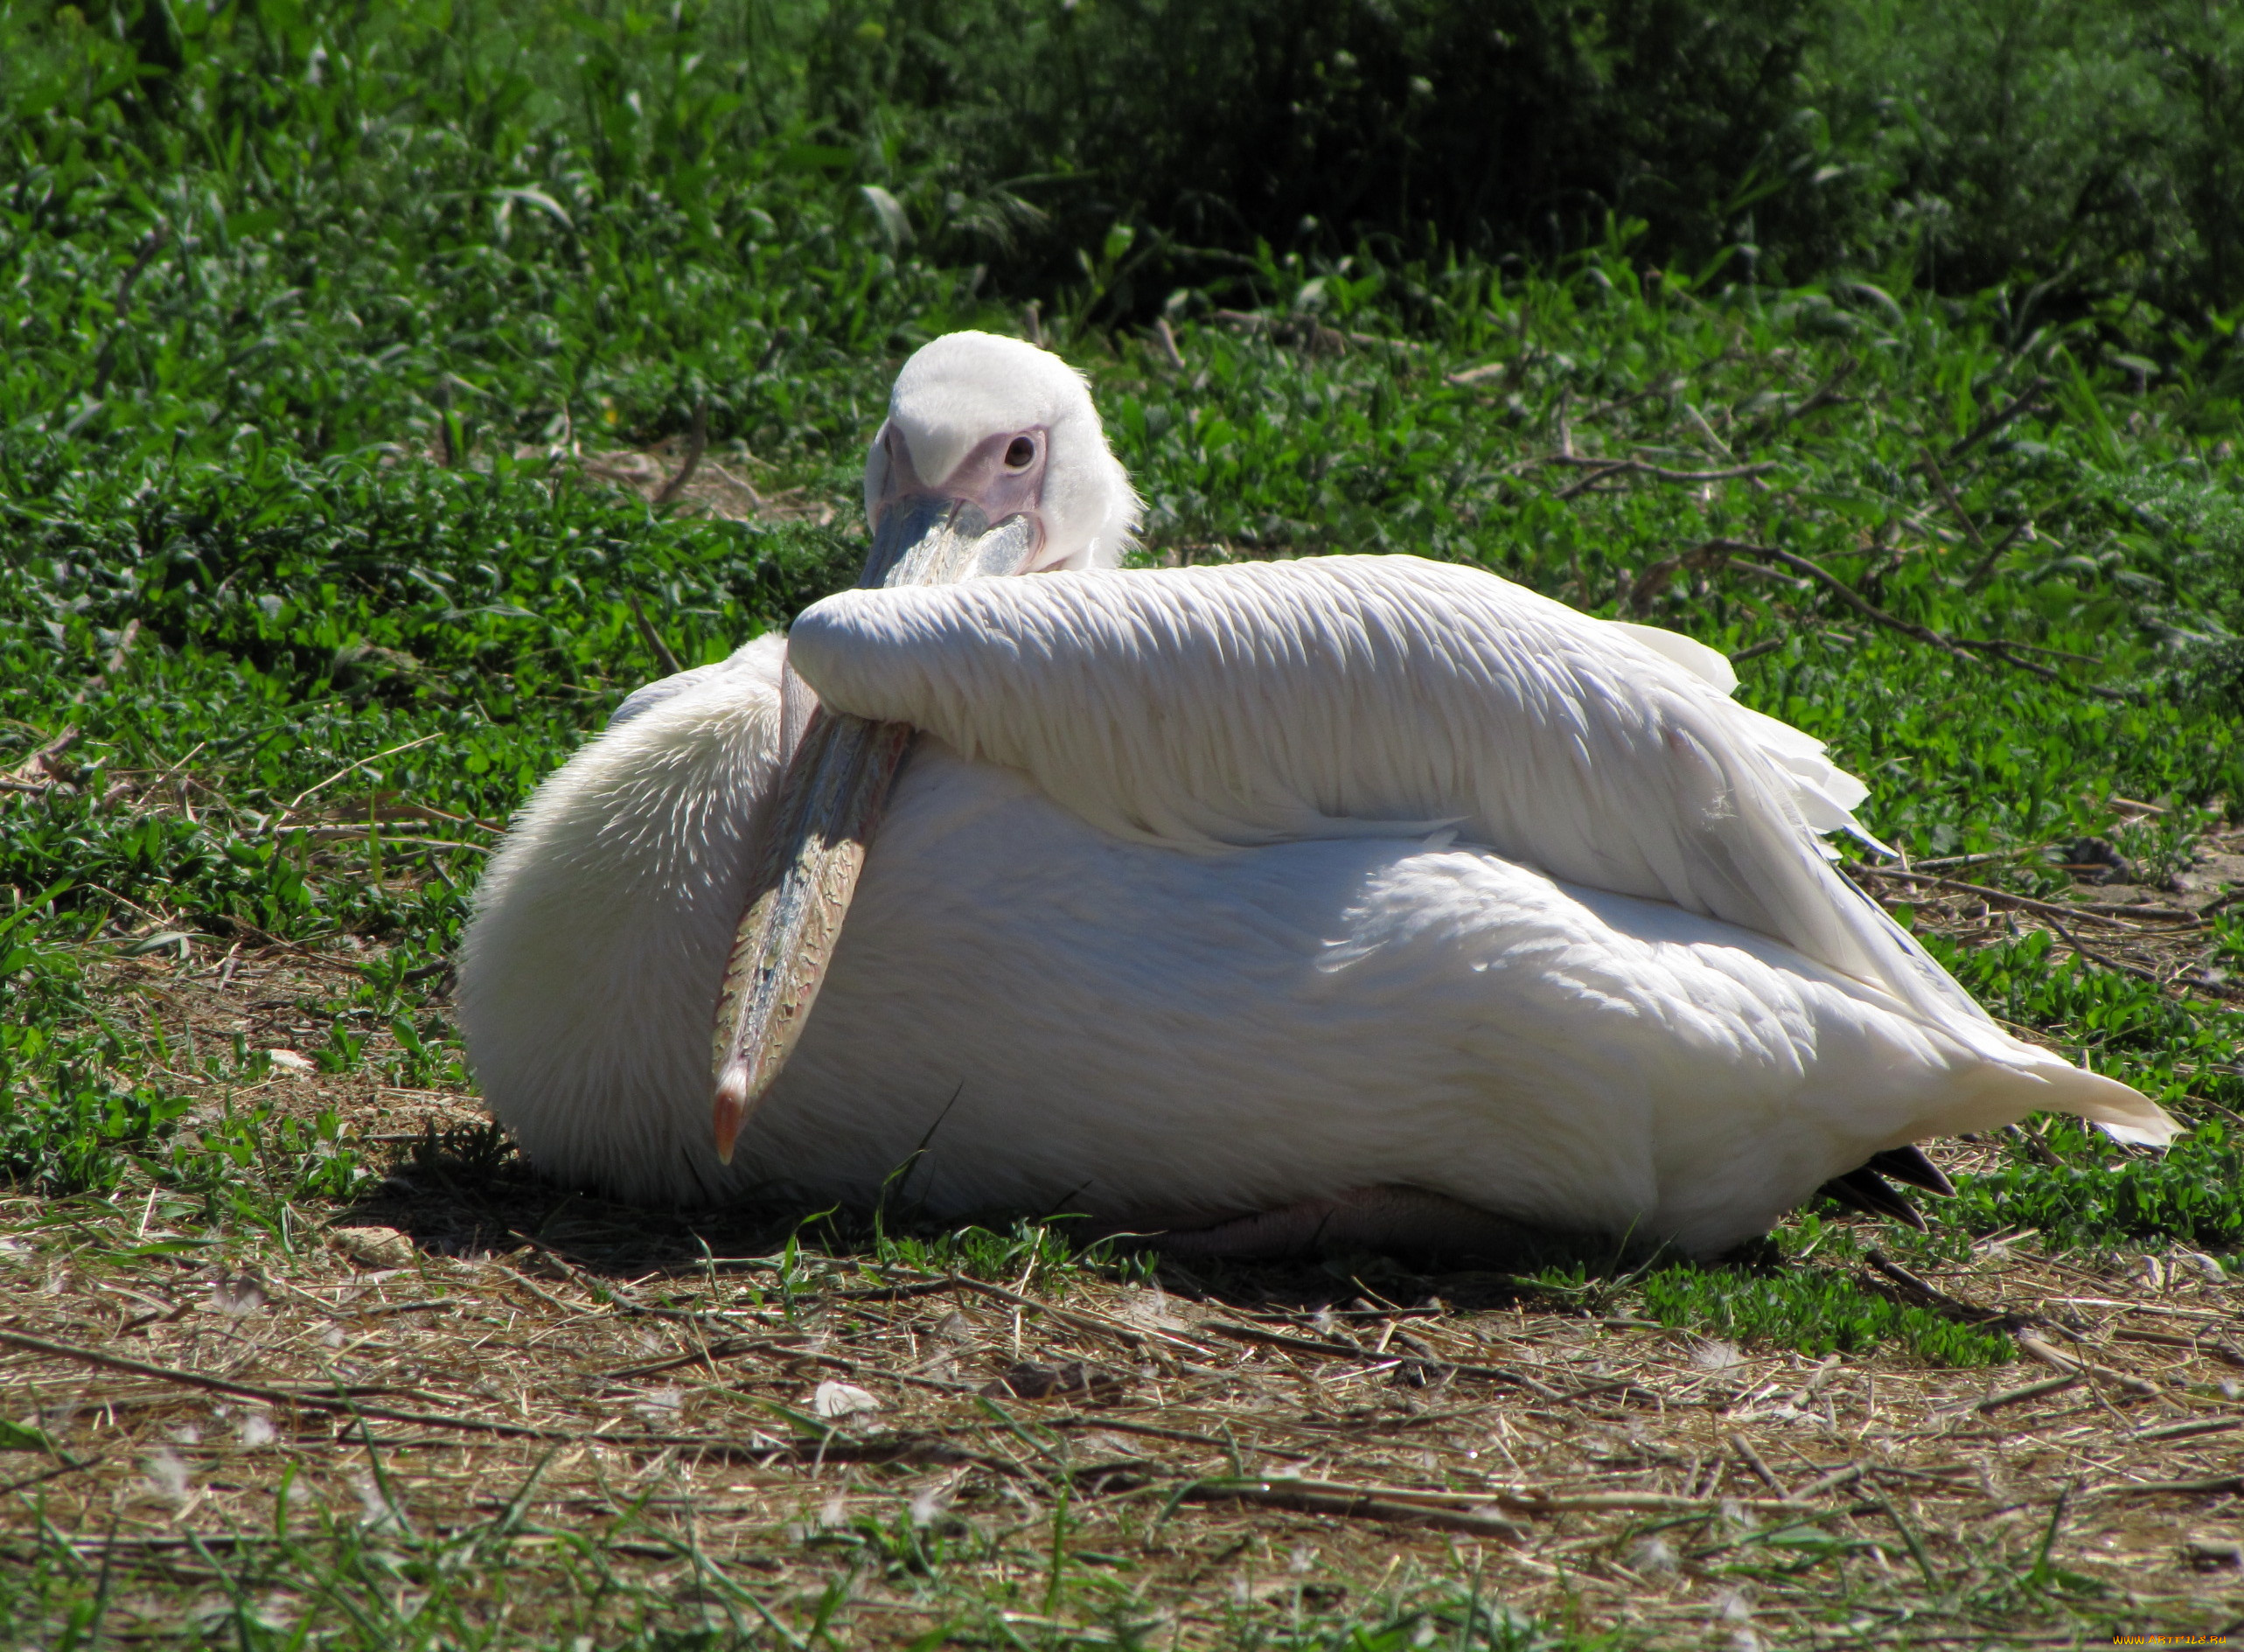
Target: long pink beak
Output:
[(813, 847)]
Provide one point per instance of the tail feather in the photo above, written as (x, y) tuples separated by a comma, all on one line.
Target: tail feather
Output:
[(2124, 1114), (2036, 1081)]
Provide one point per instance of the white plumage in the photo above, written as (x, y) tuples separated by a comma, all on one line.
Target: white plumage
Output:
[(956, 393), (1212, 892), (1376, 696)]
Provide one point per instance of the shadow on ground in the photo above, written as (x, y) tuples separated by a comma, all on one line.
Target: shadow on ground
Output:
[(466, 1193)]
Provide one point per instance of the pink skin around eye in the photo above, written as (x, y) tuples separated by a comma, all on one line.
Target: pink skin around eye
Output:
[(989, 476)]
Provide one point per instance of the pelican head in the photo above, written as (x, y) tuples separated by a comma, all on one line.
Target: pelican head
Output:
[(991, 460)]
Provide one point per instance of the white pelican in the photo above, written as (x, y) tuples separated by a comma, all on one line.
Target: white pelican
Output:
[(1361, 898)]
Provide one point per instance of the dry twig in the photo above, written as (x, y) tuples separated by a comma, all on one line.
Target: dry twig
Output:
[(696, 439)]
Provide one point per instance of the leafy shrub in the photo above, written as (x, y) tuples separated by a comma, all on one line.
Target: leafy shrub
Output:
[(2087, 143), (2102, 1197), (1515, 126), (66, 1118), (69, 1135), (2072, 148)]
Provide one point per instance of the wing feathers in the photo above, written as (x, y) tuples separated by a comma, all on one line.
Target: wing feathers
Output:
[(1339, 696)]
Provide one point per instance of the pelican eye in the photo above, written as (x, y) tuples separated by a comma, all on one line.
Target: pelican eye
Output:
[(1019, 453)]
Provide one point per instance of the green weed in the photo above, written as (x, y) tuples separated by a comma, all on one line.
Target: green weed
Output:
[(2101, 1196), (309, 326), (1815, 1310)]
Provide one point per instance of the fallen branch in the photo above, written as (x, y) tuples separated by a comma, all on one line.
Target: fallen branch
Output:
[(2032, 1390), (36, 772), (1853, 599), (1359, 1502), (2228, 1484), (1537, 1502), (1998, 897), (1441, 1508), (1167, 336), (1930, 1295), (1349, 1350), (1956, 508), (112, 666), (1832, 1481), (1657, 574), (66, 1466), (739, 482), (1320, 336), (2199, 1425), (1949, 863), (2098, 959), (352, 835), (1466, 377), (1600, 470), (1592, 461), (311, 1400), (297, 802), (1133, 1335), (697, 439), (1744, 1447), (1985, 566), (106, 363), (829, 1449), (651, 637), (318, 960), (2007, 652), (1671, 387), (735, 1347), (1825, 394), (2025, 402), (2001, 648), (2056, 1359)]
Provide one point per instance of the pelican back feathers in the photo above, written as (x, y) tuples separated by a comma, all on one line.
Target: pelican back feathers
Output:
[(1207, 708)]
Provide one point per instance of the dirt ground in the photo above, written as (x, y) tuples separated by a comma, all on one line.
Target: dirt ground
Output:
[(1251, 1439), (1214, 1447)]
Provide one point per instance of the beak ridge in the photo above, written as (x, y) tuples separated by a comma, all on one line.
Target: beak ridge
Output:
[(829, 804), (928, 539)]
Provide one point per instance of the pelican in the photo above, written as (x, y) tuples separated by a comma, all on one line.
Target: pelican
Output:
[(1359, 899)]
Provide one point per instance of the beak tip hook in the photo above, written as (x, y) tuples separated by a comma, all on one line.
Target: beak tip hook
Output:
[(729, 1110)]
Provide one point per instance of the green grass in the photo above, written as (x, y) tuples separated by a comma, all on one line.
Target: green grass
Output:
[(2067, 151), (239, 331), (300, 614), (398, 1588), (318, 603), (1816, 1308), (2102, 1197)]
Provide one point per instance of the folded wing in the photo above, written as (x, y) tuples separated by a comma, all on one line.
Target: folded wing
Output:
[(1263, 702)]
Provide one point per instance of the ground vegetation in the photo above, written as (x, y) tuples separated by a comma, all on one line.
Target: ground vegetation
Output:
[(381, 400)]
